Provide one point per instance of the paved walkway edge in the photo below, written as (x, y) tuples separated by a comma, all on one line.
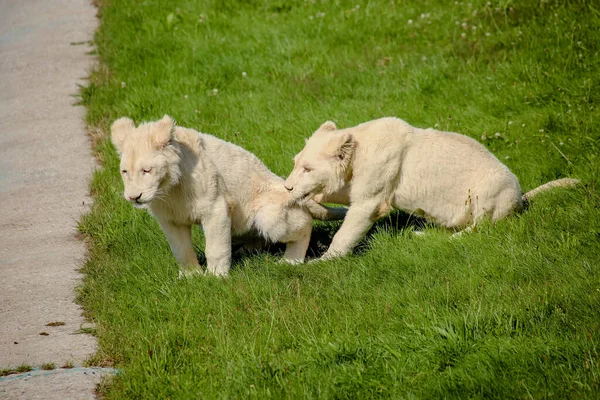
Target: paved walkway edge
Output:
[(45, 166)]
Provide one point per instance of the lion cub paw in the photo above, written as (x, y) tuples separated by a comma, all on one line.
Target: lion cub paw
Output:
[(290, 262), (190, 273)]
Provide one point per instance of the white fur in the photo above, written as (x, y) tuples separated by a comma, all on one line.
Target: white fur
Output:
[(185, 177), (446, 177)]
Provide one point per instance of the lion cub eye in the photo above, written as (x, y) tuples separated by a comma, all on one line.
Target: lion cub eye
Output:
[(147, 170), (124, 172), (306, 169)]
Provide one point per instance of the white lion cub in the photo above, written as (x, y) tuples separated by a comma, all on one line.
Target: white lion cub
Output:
[(185, 177), (446, 177)]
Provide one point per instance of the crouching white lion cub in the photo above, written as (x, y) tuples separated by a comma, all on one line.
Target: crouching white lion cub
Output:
[(446, 177), (185, 177)]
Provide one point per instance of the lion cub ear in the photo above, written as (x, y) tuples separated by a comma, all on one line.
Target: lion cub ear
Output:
[(119, 130), (342, 146), (328, 126), (162, 132)]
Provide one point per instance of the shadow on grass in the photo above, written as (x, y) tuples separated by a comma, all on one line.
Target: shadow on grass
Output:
[(321, 238)]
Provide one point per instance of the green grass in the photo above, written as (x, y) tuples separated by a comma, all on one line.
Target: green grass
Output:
[(510, 311), (48, 366), (17, 370)]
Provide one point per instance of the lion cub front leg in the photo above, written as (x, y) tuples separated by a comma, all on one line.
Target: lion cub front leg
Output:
[(358, 221), (180, 241), (217, 232)]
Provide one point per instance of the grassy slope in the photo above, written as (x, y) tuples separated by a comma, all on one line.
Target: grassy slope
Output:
[(510, 311)]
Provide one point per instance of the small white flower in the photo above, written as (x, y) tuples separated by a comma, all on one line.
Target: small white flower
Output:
[(422, 15), (510, 122), (197, 111), (456, 23), (541, 131), (487, 34), (424, 58), (561, 143), (310, 17), (244, 74), (463, 35), (464, 24), (436, 125), (474, 27), (506, 157), (497, 134), (215, 92), (123, 84), (410, 21), (483, 137), (185, 97), (523, 125)]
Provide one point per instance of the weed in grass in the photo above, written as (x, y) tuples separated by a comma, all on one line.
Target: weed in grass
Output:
[(509, 311), (20, 369), (68, 365), (86, 331), (48, 366), (23, 368)]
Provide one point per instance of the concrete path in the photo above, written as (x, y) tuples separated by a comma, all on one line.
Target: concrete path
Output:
[(45, 164)]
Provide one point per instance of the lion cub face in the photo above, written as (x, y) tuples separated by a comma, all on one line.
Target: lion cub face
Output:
[(149, 158), (323, 165)]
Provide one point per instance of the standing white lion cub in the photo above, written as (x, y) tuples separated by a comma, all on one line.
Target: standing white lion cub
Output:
[(446, 177), (186, 177)]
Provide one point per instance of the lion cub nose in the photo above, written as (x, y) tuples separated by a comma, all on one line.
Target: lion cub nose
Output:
[(134, 198), (289, 189)]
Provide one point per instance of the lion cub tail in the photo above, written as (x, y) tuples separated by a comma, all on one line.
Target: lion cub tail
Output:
[(564, 182), (324, 213)]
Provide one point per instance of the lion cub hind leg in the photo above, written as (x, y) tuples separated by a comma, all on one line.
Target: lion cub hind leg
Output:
[(295, 249), (285, 224)]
